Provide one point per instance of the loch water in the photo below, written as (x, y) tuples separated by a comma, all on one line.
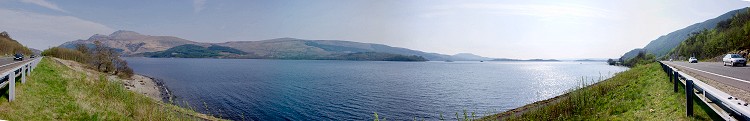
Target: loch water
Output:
[(252, 89)]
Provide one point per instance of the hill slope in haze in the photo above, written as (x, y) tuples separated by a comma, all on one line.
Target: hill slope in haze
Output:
[(298, 48), (662, 45), (135, 44)]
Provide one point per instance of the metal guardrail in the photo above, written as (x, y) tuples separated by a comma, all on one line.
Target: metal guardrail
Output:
[(8, 78), (728, 107)]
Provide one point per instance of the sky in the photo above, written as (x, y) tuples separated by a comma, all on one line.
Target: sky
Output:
[(523, 29)]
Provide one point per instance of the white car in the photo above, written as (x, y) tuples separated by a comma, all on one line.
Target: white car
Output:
[(693, 60), (734, 60)]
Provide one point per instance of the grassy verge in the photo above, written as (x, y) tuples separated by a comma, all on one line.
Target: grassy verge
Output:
[(641, 93), (55, 92)]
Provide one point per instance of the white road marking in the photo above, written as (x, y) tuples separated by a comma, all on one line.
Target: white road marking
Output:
[(11, 63), (715, 74)]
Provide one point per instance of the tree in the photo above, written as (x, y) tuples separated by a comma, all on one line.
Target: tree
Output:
[(611, 61), (122, 69), (82, 48), (100, 58)]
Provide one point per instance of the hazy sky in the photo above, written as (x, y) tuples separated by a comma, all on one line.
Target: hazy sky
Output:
[(509, 29)]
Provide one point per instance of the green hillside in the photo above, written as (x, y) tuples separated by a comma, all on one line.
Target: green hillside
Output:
[(729, 36), (194, 51), (664, 44), (375, 56)]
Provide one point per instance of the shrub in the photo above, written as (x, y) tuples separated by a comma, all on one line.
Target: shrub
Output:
[(100, 58), (67, 54)]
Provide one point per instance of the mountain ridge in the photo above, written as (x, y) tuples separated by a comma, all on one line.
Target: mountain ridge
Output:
[(131, 43)]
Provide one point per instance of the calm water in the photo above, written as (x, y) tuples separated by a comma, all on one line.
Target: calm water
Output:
[(352, 90)]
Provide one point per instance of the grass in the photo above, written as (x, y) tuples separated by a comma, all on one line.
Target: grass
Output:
[(55, 92), (642, 93)]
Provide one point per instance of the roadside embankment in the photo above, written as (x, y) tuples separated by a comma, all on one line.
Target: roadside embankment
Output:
[(138, 83), (57, 91), (641, 93)]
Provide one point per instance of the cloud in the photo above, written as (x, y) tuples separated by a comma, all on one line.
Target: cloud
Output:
[(198, 5), (45, 4), (544, 11), (41, 30)]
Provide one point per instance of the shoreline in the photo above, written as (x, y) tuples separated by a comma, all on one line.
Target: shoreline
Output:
[(165, 95), (642, 92), (147, 107), (141, 84), (538, 104)]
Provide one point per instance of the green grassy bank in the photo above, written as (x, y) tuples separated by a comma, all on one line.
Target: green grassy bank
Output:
[(55, 92), (641, 93)]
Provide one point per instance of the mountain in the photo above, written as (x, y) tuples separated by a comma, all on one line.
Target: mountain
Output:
[(35, 51), (662, 45), (507, 59), (298, 48), (129, 42), (469, 57), (134, 44), (632, 53)]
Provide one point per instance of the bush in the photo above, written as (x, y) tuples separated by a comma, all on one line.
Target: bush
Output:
[(67, 54)]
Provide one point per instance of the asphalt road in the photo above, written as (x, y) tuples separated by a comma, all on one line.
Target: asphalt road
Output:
[(8, 63), (738, 77)]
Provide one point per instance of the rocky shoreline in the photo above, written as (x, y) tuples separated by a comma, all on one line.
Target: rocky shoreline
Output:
[(164, 93)]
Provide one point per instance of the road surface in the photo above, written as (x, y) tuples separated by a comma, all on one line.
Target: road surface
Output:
[(8, 63), (738, 77)]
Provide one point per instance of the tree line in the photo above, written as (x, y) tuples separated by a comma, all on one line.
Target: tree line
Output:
[(98, 57), (642, 58), (9, 46)]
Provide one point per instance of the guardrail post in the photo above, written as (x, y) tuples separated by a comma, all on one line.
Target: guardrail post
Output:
[(23, 74), (689, 96), (676, 78), (33, 63), (664, 67), (671, 73), (12, 86)]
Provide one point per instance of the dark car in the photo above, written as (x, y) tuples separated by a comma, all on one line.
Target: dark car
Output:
[(18, 57), (32, 56)]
